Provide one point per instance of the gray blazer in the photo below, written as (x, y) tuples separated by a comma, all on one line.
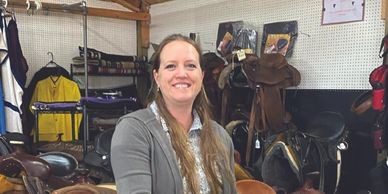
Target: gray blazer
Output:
[(143, 159)]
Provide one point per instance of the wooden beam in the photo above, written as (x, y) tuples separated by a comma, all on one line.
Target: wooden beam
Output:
[(383, 9), (152, 2), (145, 34), (141, 85), (386, 16), (138, 16), (129, 5)]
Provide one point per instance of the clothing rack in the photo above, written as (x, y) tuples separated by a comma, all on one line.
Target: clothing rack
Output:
[(56, 108), (85, 37), (81, 8)]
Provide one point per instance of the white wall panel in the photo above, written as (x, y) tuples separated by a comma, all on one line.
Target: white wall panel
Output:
[(330, 57)]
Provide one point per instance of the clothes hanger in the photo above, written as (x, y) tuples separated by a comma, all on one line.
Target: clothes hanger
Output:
[(33, 4), (4, 3), (56, 69), (51, 63), (3, 7)]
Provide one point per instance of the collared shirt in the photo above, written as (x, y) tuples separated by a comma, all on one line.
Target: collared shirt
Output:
[(194, 140)]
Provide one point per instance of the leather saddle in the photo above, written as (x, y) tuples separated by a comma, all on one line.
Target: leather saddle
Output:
[(213, 66), (12, 165), (268, 75), (100, 156), (326, 127), (84, 189), (5, 148), (65, 170), (28, 172), (362, 103), (61, 164), (294, 154), (253, 186)]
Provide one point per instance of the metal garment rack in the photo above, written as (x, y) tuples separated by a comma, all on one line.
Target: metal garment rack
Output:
[(85, 113), (82, 8), (45, 110)]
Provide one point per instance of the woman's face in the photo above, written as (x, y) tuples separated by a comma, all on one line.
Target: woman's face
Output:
[(180, 75)]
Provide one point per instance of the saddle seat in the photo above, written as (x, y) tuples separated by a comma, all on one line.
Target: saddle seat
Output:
[(61, 164), (326, 126), (99, 157)]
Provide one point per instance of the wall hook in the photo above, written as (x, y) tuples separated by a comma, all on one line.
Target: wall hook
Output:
[(51, 55)]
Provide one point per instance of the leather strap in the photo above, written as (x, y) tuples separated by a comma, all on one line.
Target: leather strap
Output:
[(264, 122), (251, 127), (224, 105), (384, 52), (362, 103)]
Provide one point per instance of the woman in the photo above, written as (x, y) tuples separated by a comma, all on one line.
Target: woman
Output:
[(172, 146)]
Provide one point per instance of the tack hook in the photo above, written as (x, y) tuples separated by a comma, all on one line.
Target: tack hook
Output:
[(5, 3), (51, 55)]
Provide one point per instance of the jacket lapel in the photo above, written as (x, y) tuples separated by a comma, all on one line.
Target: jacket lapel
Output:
[(163, 141)]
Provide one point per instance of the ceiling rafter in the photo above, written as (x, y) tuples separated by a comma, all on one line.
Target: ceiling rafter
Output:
[(137, 5), (133, 5)]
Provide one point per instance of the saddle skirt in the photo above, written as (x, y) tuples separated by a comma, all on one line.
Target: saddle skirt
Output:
[(12, 165), (281, 166), (270, 73), (270, 69)]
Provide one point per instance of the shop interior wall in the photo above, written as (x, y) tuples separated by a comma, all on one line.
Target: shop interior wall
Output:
[(337, 56), (62, 33)]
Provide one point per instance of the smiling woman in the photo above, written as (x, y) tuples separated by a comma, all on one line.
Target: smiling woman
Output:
[(174, 136), (179, 77)]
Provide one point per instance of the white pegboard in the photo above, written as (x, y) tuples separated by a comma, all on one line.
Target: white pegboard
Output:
[(62, 33), (332, 56)]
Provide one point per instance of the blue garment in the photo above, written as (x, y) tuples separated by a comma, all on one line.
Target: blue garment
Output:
[(2, 116), (3, 58), (12, 91)]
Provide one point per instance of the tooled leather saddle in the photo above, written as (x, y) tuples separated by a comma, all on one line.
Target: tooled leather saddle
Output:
[(268, 76)]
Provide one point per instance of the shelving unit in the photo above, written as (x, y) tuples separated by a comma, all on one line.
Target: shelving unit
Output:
[(91, 104), (129, 72)]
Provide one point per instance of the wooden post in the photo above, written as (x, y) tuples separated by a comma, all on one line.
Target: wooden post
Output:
[(383, 9), (143, 42)]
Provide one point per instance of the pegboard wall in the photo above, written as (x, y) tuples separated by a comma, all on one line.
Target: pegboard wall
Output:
[(337, 56), (62, 33)]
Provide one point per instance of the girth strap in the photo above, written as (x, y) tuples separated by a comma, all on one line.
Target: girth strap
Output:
[(251, 126)]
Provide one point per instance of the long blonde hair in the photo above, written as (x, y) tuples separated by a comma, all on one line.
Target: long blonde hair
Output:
[(214, 152)]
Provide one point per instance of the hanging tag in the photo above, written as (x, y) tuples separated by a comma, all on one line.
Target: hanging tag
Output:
[(241, 55), (248, 51), (257, 144)]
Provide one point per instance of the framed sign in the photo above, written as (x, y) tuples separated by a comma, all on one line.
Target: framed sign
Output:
[(342, 11)]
